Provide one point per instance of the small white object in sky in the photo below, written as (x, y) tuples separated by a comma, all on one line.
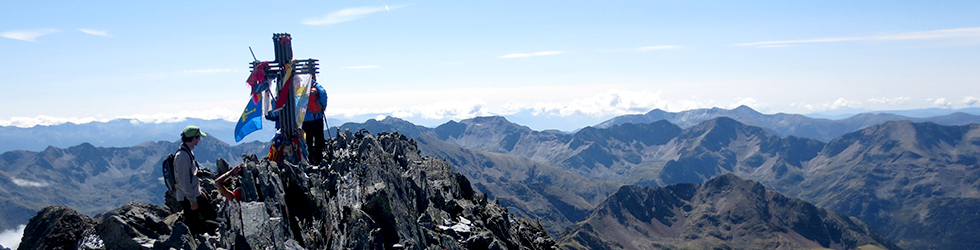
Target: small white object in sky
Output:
[(95, 32), (386, 8)]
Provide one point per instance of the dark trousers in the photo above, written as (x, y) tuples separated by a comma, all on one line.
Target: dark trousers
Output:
[(196, 220), (314, 140)]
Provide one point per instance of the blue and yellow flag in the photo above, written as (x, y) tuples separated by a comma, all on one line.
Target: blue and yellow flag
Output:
[(250, 121)]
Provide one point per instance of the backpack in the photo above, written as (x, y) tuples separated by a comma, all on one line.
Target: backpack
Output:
[(168, 171), (314, 103)]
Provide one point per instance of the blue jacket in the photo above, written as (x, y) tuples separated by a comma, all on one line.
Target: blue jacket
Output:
[(321, 100)]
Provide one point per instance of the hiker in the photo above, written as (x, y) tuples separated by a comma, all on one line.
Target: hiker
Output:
[(199, 215), (313, 123), (222, 181)]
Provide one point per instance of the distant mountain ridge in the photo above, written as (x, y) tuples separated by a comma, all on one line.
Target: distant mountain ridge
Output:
[(783, 124), (120, 133)]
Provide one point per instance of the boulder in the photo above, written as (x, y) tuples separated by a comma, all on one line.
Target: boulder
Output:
[(56, 227)]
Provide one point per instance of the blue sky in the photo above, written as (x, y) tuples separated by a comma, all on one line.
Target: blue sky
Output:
[(432, 61)]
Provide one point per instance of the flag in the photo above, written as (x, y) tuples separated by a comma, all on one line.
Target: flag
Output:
[(250, 121)]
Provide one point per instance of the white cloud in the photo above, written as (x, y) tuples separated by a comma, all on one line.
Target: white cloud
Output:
[(164, 117), (211, 114), (840, 103), (44, 120), (942, 103), (661, 47), (96, 32), (28, 35), (971, 101), (209, 70), (27, 183), (890, 101), (612, 102), (11, 238), (747, 101), (360, 67), (348, 14), (542, 53), (460, 104), (449, 109), (916, 35)]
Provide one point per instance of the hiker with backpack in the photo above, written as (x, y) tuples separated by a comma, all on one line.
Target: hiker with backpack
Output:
[(199, 215), (313, 123)]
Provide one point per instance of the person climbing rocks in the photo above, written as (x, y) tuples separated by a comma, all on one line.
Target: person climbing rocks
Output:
[(313, 123), (199, 215), (222, 182)]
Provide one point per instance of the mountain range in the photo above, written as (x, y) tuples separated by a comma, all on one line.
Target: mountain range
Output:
[(915, 183), (121, 133), (782, 124), (128, 132), (95, 179)]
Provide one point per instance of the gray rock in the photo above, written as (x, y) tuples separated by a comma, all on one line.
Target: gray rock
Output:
[(56, 227), (180, 238)]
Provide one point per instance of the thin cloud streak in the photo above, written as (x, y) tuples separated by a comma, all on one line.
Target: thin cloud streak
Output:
[(27, 183), (96, 32), (209, 71), (840, 103), (660, 47), (28, 35), (360, 67), (916, 35), (542, 53), (890, 101), (348, 14)]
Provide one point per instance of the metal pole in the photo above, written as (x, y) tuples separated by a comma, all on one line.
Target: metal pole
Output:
[(284, 56)]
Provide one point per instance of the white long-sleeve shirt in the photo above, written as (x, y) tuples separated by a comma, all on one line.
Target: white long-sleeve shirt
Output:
[(185, 171)]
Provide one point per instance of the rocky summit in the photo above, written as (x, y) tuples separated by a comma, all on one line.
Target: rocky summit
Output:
[(372, 192)]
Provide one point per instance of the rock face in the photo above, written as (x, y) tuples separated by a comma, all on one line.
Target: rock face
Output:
[(372, 193), (724, 213), (56, 227)]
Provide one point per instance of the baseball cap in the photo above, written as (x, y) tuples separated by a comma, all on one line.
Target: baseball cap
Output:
[(193, 131)]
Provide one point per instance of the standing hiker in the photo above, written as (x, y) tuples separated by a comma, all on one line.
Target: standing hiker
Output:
[(313, 123), (199, 215)]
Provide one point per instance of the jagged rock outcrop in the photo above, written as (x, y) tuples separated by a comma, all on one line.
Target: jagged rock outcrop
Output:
[(372, 193), (56, 227), (726, 212)]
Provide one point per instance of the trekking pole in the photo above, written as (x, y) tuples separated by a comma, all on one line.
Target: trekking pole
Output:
[(253, 53)]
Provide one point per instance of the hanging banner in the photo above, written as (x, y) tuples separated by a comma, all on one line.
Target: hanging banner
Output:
[(302, 84), (250, 121)]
